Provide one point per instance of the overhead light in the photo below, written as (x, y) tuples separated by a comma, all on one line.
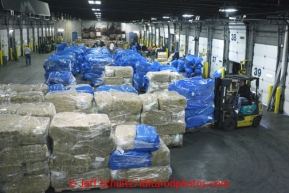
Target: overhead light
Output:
[(95, 9), (232, 18), (94, 2), (97, 13), (60, 30), (187, 15), (229, 10), (153, 18), (166, 17)]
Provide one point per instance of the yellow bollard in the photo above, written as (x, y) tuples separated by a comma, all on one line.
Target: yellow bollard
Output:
[(223, 72), (270, 88), (10, 54), (206, 70), (277, 100), (167, 51), (1, 58)]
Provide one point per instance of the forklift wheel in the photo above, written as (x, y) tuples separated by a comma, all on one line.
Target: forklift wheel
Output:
[(229, 124), (256, 121)]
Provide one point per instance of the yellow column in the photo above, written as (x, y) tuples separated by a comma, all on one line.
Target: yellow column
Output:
[(223, 72), (277, 100), (30, 45), (10, 54), (206, 70), (167, 51), (270, 88), (1, 58)]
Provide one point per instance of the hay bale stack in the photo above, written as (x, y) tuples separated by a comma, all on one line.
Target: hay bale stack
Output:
[(121, 107), (81, 148), (160, 81), (165, 111), (24, 153), (117, 75), (70, 101), (138, 149)]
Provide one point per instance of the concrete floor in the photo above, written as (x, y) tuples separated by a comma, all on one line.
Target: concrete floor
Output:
[(251, 159)]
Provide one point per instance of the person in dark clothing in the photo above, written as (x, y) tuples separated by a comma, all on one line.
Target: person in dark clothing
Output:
[(176, 56), (138, 48), (243, 93)]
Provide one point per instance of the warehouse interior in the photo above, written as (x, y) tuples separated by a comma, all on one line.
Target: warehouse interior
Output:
[(252, 37)]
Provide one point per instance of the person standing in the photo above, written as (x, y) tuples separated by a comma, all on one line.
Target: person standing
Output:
[(111, 47), (243, 94), (27, 52)]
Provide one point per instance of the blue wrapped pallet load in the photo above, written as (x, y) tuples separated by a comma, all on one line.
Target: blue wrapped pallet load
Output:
[(81, 88), (94, 65), (121, 88), (193, 66), (199, 93), (140, 154), (66, 78), (57, 64)]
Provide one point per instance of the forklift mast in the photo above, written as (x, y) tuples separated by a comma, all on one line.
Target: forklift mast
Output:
[(221, 104)]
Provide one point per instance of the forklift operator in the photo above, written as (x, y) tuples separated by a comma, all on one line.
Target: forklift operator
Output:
[(243, 93)]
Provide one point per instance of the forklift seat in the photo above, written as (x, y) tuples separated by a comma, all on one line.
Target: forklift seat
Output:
[(249, 102)]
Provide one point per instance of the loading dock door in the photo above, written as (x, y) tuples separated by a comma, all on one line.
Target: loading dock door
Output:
[(191, 46), (264, 67), (237, 49), (18, 41), (217, 55)]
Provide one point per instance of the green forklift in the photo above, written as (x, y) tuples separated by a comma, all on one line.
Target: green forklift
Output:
[(226, 97)]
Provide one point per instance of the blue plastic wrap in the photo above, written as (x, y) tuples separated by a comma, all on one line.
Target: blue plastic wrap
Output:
[(195, 108), (196, 86), (56, 87), (138, 82), (181, 64), (121, 88), (199, 93), (217, 74), (198, 60), (61, 46), (82, 88), (168, 68), (142, 67), (190, 59), (129, 159), (147, 138), (175, 63), (65, 78), (199, 120), (57, 64), (154, 67)]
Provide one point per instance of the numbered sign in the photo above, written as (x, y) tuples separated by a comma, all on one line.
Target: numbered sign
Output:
[(257, 72)]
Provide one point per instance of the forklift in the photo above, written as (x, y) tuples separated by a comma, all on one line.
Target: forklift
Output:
[(226, 98)]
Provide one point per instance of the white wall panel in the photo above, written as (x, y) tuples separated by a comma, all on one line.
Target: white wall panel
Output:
[(25, 40), (182, 45), (264, 67), (40, 32), (18, 41), (191, 46), (4, 40)]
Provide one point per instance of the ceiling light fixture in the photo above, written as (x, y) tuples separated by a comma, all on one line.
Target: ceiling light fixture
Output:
[(229, 10), (188, 15), (166, 17), (95, 9), (153, 18), (94, 2)]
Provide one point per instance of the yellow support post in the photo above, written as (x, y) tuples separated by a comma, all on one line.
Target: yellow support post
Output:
[(1, 58), (167, 51), (270, 88), (30, 45), (223, 72), (277, 100), (10, 54), (206, 70)]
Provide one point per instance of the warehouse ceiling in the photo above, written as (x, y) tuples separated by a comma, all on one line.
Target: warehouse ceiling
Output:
[(144, 10)]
